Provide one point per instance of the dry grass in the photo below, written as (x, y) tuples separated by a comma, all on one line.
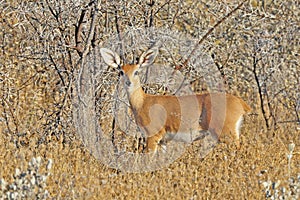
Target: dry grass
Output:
[(223, 173)]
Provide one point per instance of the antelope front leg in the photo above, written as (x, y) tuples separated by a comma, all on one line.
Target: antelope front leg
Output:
[(153, 141)]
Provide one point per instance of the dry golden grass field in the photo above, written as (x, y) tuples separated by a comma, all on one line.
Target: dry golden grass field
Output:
[(46, 45)]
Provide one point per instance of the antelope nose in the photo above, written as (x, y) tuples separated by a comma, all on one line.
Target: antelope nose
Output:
[(127, 83)]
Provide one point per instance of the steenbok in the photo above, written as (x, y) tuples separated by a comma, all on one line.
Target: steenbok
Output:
[(180, 118)]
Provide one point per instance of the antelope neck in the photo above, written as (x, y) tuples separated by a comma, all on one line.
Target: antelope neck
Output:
[(136, 98)]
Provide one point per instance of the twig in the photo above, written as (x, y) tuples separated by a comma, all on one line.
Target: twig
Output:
[(119, 32), (288, 121), (56, 15), (270, 110), (57, 70), (78, 29), (87, 47), (161, 7), (78, 34), (255, 61), (113, 125), (297, 114), (151, 19), (15, 121)]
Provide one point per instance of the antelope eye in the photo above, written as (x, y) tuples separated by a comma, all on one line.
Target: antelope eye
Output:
[(136, 73), (121, 73)]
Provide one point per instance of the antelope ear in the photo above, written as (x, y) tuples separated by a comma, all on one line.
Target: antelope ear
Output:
[(148, 57), (110, 57)]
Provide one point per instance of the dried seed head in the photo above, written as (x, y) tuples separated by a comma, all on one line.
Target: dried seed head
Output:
[(49, 164), (291, 147), (17, 172)]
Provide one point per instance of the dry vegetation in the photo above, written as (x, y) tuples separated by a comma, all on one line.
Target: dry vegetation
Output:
[(45, 48)]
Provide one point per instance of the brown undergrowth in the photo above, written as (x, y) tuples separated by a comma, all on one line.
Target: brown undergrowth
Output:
[(223, 173)]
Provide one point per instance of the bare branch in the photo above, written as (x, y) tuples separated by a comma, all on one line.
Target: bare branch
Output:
[(260, 91), (185, 63), (78, 34)]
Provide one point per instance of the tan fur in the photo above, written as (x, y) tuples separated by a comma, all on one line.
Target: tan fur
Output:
[(157, 115)]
